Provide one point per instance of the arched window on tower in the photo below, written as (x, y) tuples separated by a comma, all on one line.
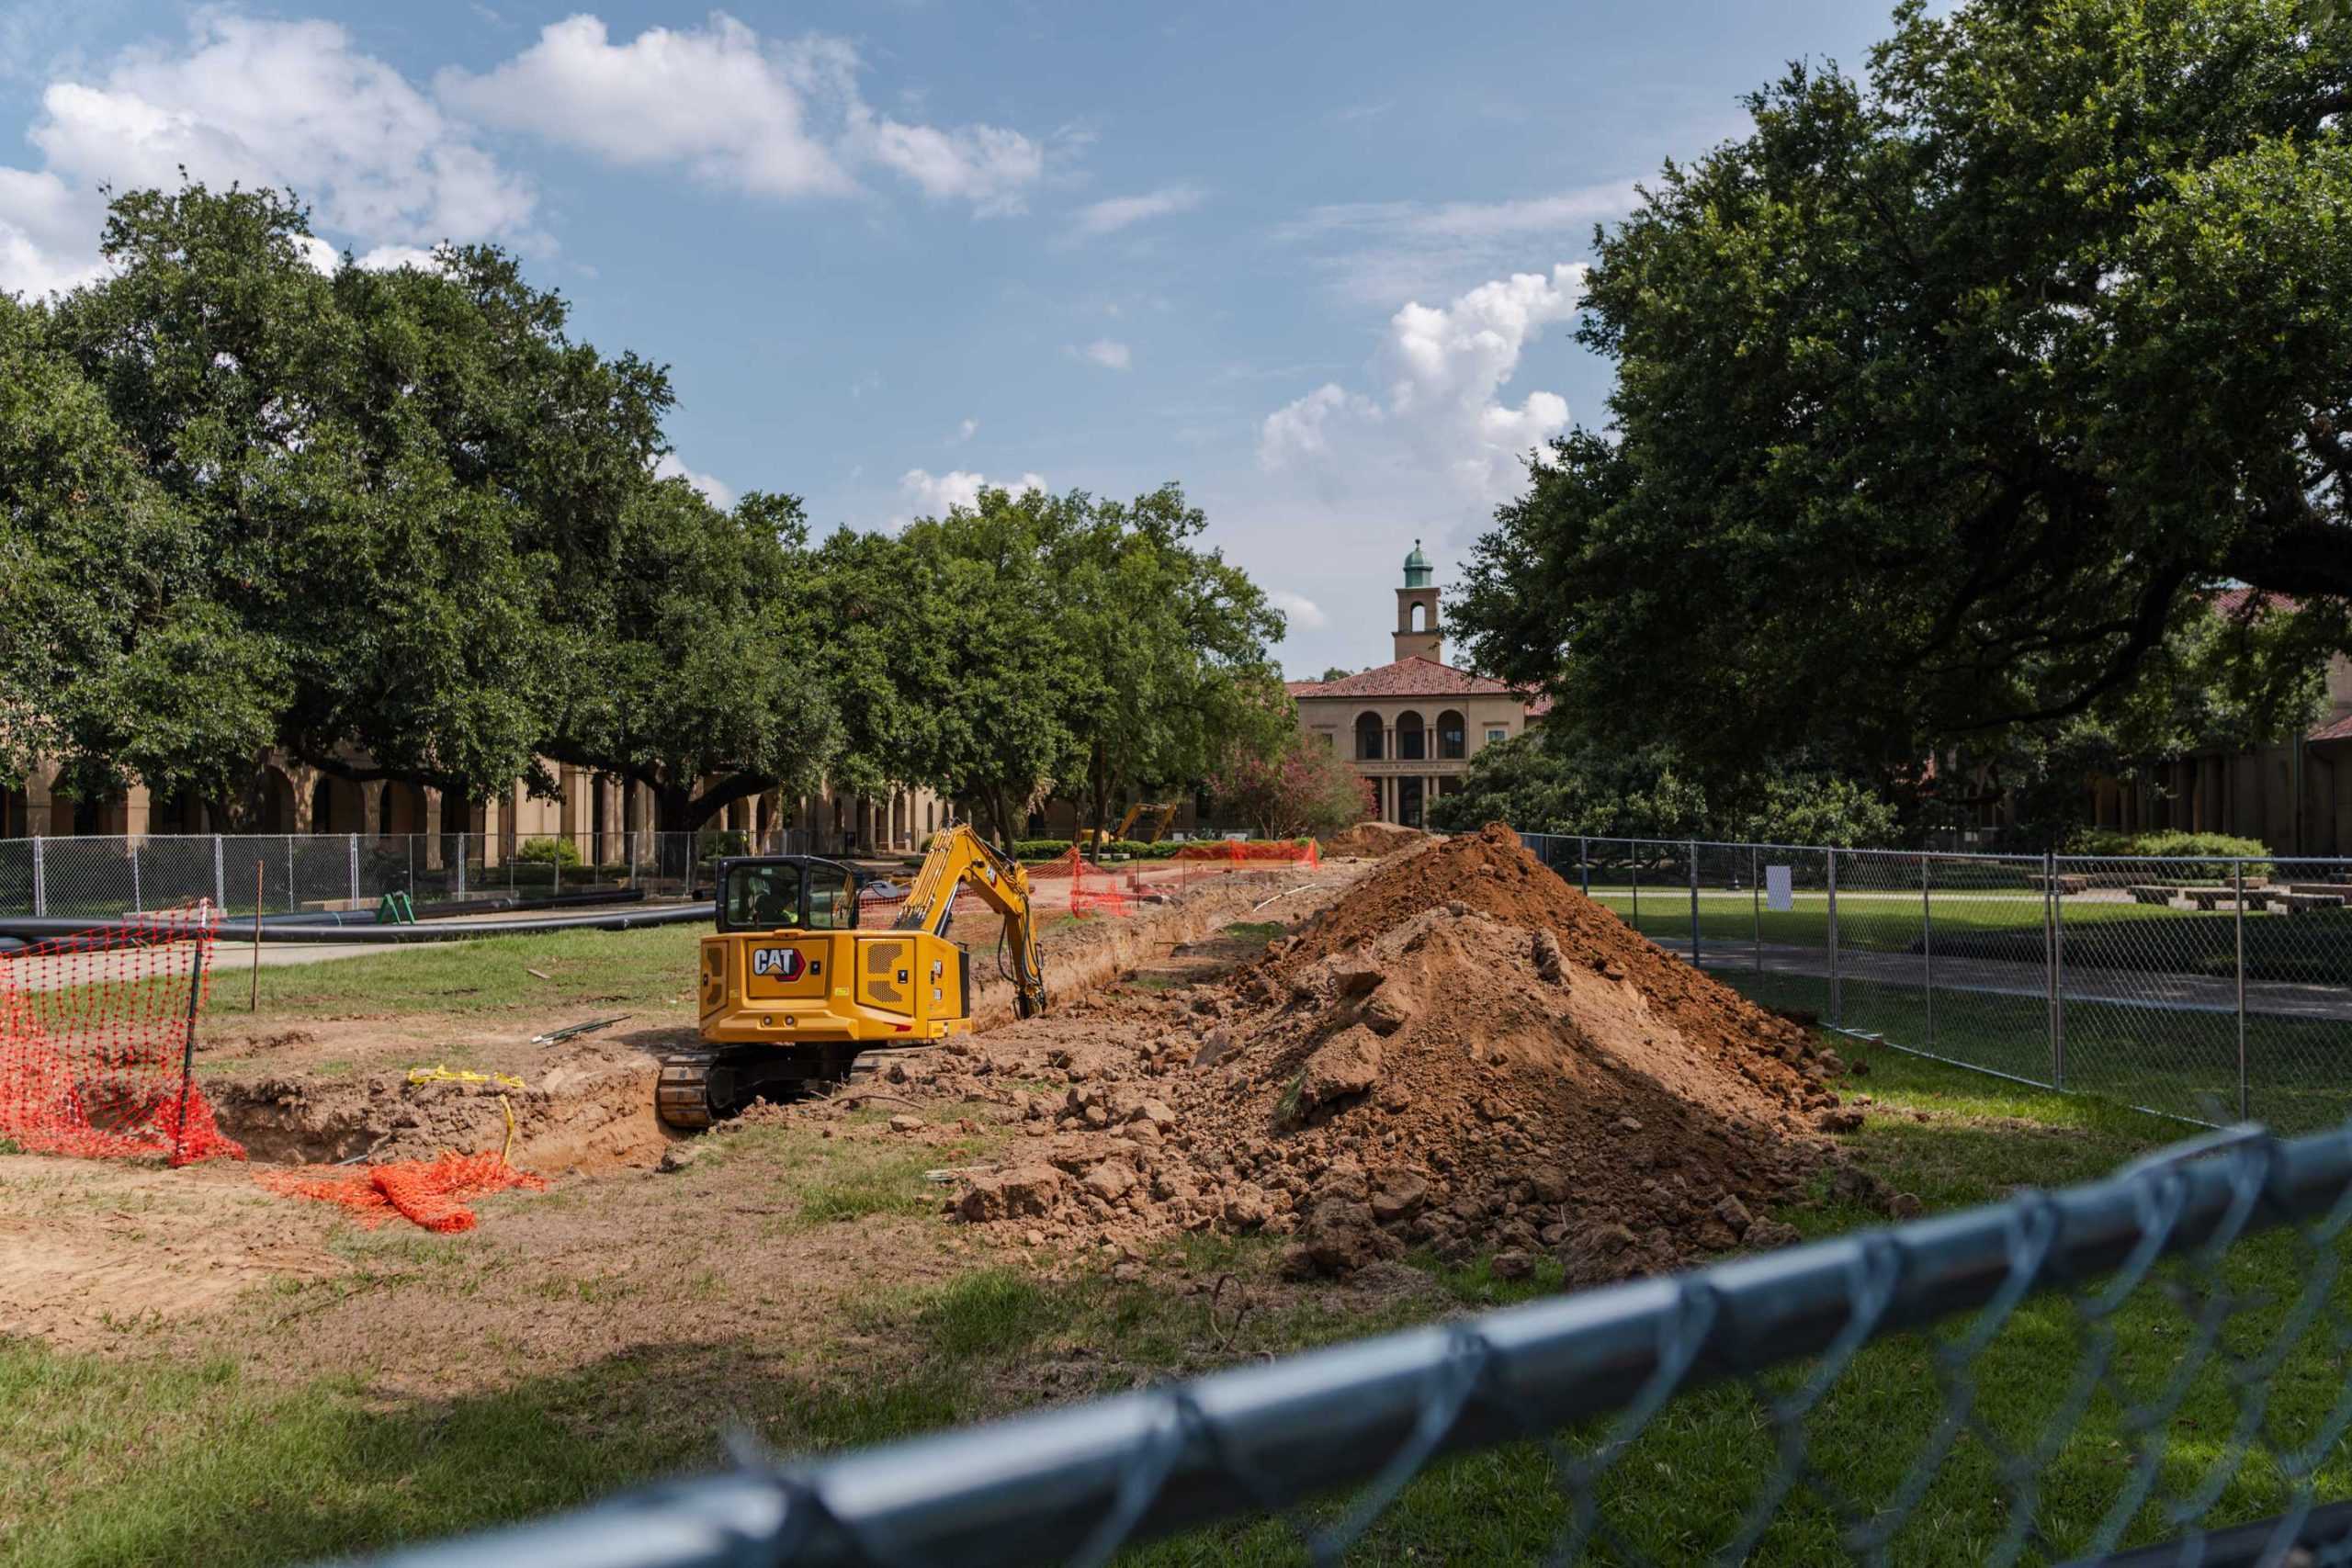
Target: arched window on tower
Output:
[(1420, 621)]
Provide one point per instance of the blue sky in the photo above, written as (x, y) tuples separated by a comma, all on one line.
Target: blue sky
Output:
[(1315, 262)]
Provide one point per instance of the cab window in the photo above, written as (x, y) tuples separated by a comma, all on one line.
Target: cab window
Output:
[(762, 897), (832, 899)]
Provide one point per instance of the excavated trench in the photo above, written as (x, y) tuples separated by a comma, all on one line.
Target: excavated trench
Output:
[(588, 1107)]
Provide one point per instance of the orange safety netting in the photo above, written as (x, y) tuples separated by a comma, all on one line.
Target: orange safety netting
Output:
[(1281, 849), (433, 1194), (97, 1038)]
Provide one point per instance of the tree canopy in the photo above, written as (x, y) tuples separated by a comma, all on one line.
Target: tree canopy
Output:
[(1948, 400), (404, 526)]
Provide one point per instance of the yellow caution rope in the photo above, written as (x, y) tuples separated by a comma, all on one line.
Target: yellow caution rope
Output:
[(457, 1074)]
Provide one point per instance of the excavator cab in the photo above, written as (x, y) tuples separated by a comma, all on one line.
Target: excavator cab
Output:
[(792, 988), (774, 893)]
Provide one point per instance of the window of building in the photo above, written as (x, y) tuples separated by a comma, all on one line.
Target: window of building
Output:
[(1412, 740), (1495, 735), (1330, 741), (1368, 738)]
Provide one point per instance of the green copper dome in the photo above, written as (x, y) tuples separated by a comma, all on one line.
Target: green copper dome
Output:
[(1417, 568)]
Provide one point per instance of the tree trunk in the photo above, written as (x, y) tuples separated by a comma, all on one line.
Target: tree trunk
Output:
[(1102, 781)]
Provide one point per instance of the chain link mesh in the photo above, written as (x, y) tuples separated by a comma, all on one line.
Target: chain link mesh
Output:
[(2208, 990), (2150, 1364)]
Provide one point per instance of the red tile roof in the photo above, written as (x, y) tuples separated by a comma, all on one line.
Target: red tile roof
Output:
[(1409, 677), (2336, 729), (2229, 601)]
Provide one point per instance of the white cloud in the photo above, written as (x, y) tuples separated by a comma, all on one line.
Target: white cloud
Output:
[(1441, 411), (1108, 353), (375, 157), (935, 495), (735, 109), (1118, 212), (965, 432), (386, 258), (1301, 612), (1375, 251), (714, 490)]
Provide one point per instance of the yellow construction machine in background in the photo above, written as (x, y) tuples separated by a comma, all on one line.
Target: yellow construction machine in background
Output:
[(793, 988), (1160, 815)]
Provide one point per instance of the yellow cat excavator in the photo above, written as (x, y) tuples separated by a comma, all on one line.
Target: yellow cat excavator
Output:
[(792, 990)]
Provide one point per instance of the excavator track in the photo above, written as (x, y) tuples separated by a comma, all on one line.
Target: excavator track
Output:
[(697, 1088), (682, 1094)]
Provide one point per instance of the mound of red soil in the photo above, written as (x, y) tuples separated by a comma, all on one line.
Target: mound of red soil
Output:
[(1462, 1053)]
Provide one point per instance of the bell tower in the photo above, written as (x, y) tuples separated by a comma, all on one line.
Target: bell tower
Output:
[(1416, 627)]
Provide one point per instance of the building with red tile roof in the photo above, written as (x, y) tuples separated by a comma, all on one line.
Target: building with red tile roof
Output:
[(1410, 726)]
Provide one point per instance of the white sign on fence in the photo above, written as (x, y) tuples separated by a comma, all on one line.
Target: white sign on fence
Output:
[(1779, 892)]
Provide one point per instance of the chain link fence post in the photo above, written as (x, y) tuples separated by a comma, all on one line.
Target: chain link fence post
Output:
[(1836, 991), (219, 876), (293, 903), (1756, 902), (462, 867), (2237, 888), (1584, 865), (1694, 903), (1634, 859), (138, 898), (1928, 947), (2050, 967), (41, 880), (354, 870)]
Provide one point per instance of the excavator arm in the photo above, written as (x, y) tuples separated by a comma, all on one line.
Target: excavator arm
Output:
[(959, 857)]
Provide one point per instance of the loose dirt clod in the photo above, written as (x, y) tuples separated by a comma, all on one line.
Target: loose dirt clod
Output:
[(1462, 1053)]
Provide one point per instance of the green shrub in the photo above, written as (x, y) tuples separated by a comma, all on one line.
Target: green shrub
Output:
[(1039, 849), (548, 852), (2178, 846)]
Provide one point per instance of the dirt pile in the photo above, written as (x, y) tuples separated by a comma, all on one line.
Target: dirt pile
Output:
[(1461, 1052), (1375, 840)]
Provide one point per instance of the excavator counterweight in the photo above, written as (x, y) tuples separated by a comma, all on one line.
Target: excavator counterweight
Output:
[(792, 988)]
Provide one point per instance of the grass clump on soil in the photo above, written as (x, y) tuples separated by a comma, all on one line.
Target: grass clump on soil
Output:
[(641, 971)]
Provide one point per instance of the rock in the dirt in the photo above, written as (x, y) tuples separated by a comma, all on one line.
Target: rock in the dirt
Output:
[(1549, 961), (1386, 1010), (1904, 1205), (1110, 1181), (1356, 973), (679, 1157), (1154, 1112), (1512, 1265), (1769, 1234), (1344, 1065), (1399, 1196), (905, 1123), (1549, 1185), (1735, 1216), (1023, 1192), (1246, 1209), (1839, 1119)]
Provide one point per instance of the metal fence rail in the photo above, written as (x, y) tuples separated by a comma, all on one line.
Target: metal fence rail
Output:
[(283, 874), (2211, 990), (1592, 1376)]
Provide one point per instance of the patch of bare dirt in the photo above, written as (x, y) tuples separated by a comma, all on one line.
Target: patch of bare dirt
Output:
[(1375, 840)]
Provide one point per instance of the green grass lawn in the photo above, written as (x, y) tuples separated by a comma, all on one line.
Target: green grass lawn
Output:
[(131, 1460)]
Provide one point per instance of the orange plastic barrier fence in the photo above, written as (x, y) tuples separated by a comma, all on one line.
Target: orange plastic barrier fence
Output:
[(97, 1037), (431, 1193), (1253, 851)]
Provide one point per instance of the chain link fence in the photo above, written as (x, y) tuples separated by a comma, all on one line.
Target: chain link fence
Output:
[(2148, 1369), (2210, 990), (294, 873)]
